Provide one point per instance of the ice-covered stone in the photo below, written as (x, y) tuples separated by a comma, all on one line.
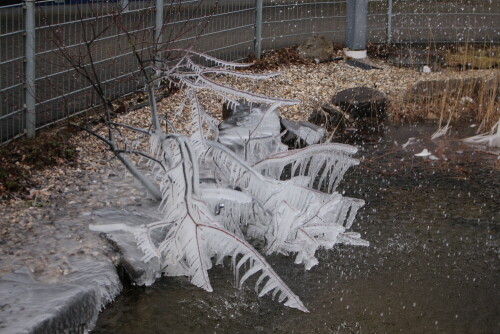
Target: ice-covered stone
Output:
[(70, 306), (137, 270), (302, 132)]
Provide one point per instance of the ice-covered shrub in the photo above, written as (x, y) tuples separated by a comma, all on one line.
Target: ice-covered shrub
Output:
[(244, 195)]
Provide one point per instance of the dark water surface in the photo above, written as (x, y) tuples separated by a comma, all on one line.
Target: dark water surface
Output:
[(433, 265)]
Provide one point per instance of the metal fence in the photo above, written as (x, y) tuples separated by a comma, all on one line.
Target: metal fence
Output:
[(38, 86), (434, 21)]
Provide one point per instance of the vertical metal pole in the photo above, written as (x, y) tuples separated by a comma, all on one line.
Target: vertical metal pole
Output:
[(389, 21), (356, 21), (29, 67), (158, 22), (124, 5), (258, 28)]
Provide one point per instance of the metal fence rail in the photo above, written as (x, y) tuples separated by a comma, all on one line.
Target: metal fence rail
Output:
[(234, 30)]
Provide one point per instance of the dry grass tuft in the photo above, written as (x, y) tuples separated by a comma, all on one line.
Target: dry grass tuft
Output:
[(471, 99), (473, 57)]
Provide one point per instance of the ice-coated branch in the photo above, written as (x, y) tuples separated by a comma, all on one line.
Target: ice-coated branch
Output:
[(216, 61)]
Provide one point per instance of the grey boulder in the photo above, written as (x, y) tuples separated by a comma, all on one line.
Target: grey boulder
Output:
[(330, 117), (362, 102)]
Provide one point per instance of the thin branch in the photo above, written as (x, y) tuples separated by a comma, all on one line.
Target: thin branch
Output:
[(93, 133), (150, 186), (147, 132), (147, 156)]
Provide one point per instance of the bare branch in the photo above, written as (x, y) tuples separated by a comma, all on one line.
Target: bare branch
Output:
[(150, 186), (147, 132)]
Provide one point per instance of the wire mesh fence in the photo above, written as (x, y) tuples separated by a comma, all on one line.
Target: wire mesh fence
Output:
[(287, 22), (229, 29), (11, 71), (224, 29), (434, 21), (63, 32)]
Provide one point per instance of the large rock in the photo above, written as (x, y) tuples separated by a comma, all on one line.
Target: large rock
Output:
[(330, 117), (301, 133), (316, 48), (362, 102)]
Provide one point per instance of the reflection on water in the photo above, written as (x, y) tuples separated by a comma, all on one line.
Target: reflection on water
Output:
[(433, 264)]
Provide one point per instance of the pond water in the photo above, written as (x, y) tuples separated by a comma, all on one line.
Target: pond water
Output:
[(433, 264)]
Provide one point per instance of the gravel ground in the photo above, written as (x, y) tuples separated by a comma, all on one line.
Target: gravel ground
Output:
[(42, 231)]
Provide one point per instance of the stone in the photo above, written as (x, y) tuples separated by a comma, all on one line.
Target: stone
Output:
[(316, 48), (319, 117), (362, 102), (330, 117), (426, 69), (299, 133), (135, 270)]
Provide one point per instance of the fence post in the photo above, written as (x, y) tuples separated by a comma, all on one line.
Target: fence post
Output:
[(389, 21), (258, 28), (29, 67), (356, 25), (158, 22), (124, 5)]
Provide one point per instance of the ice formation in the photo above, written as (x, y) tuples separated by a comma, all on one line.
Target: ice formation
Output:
[(491, 138), (242, 192)]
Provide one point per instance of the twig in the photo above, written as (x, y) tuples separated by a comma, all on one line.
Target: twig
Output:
[(131, 128)]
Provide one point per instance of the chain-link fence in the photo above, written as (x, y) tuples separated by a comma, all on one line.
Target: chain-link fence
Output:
[(80, 33)]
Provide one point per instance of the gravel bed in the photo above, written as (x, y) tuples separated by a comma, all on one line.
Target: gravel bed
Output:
[(44, 233)]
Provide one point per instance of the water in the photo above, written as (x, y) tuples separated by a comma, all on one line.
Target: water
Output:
[(433, 264)]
